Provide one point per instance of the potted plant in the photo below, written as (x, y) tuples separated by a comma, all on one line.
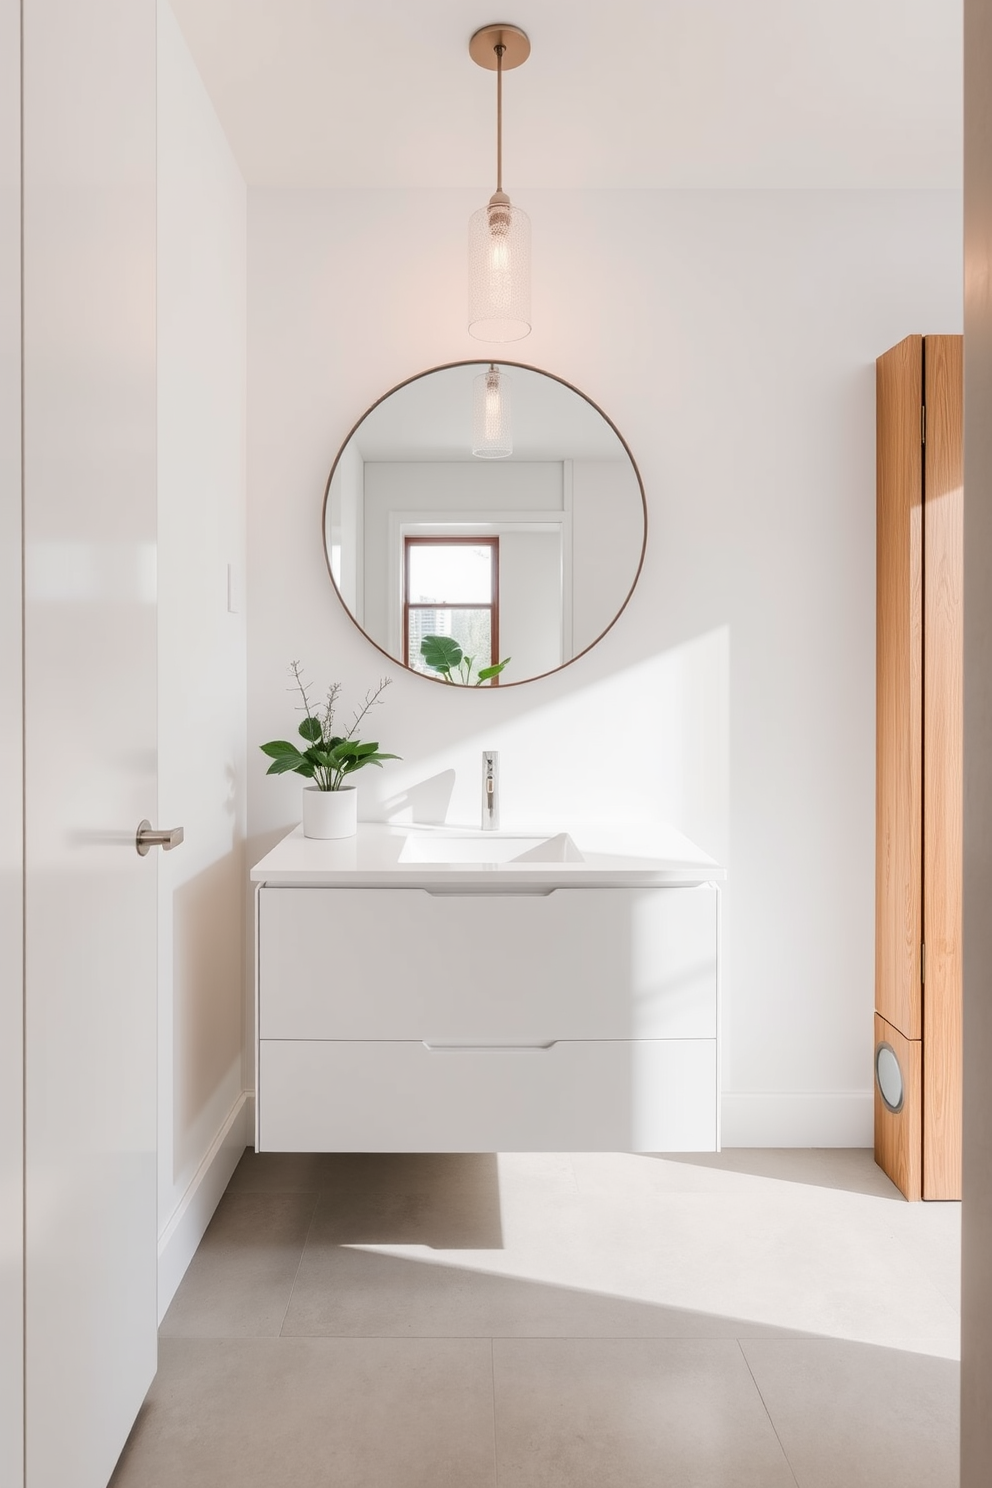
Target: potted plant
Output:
[(444, 655), (330, 803)]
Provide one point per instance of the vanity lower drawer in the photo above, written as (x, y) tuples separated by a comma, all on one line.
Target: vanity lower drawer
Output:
[(618, 963), (627, 1096)]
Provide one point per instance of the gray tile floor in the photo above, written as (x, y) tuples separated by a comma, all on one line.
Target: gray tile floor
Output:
[(746, 1320)]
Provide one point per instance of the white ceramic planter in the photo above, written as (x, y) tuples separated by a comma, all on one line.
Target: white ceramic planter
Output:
[(330, 813)]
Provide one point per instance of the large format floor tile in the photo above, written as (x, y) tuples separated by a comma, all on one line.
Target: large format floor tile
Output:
[(241, 1278), (315, 1413), (358, 1293), (626, 1413), (745, 1318), (852, 1169), (930, 1233), (802, 1255), (853, 1416), (615, 1244)]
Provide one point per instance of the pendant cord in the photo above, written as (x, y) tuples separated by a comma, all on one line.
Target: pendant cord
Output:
[(499, 50)]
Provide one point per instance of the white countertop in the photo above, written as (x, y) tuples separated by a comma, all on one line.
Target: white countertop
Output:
[(379, 856)]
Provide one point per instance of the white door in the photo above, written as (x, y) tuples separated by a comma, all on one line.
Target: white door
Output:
[(90, 730), (11, 866)]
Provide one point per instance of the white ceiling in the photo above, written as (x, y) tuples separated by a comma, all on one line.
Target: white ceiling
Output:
[(633, 93)]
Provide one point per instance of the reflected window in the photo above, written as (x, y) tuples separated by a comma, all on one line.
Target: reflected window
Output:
[(451, 588)]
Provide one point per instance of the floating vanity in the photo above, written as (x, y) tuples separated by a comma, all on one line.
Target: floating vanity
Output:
[(428, 989)]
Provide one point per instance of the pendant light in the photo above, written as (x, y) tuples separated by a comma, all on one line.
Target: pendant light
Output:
[(492, 437), (499, 232)]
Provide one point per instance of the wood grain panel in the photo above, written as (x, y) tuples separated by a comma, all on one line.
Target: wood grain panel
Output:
[(899, 1135), (942, 768), (899, 689)]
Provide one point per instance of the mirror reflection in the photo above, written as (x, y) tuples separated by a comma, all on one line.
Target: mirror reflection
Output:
[(484, 524)]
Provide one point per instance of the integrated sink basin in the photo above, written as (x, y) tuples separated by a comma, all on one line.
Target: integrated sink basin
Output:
[(450, 859), (488, 847)]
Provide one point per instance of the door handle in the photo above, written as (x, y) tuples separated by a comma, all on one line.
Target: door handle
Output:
[(148, 836)]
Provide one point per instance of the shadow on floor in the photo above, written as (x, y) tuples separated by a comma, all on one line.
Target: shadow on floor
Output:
[(852, 1169), (445, 1200)]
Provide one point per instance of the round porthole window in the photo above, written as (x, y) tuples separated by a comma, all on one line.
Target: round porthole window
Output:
[(889, 1077)]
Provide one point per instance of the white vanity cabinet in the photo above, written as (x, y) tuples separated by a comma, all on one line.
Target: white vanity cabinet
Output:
[(513, 1014)]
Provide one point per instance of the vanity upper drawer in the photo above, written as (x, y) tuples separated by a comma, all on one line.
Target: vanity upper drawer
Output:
[(411, 964), (653, 1096)]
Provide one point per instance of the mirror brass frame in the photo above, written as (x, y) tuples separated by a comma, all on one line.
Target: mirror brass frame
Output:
[(446, 367)]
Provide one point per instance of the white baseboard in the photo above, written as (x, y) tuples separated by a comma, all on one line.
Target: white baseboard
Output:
[(184, 1231), (841, 1118)]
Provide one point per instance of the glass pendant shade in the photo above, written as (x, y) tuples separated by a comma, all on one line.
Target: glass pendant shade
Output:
[(492, 436), (499, 271)]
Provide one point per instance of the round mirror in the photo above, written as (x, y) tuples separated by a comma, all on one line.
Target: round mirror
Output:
[(889, 1077), (484, 524)]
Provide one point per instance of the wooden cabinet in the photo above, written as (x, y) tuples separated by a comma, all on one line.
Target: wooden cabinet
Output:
[(919, 655), (412, 1019)]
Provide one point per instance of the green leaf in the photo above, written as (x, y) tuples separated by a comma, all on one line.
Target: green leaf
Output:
[(280, 747), (366, 748), (441, 652), (343, 751), (492, 671), (310, 730), (287, 762), (359, 761)]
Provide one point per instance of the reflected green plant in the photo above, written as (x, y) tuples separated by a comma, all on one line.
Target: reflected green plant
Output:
[(444, 656)]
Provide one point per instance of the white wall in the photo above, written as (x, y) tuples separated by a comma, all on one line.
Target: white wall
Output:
[(418, 490), (11, 770), (201, 484), (602, 572), (976, 1312), (732, 338), (530, 602), (344, 528)]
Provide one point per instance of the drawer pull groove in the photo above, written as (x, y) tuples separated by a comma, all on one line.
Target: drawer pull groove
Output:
[(446, 1048), (463, 893)]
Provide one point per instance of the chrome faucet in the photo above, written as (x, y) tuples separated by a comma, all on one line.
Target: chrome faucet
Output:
[(490, 790)]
